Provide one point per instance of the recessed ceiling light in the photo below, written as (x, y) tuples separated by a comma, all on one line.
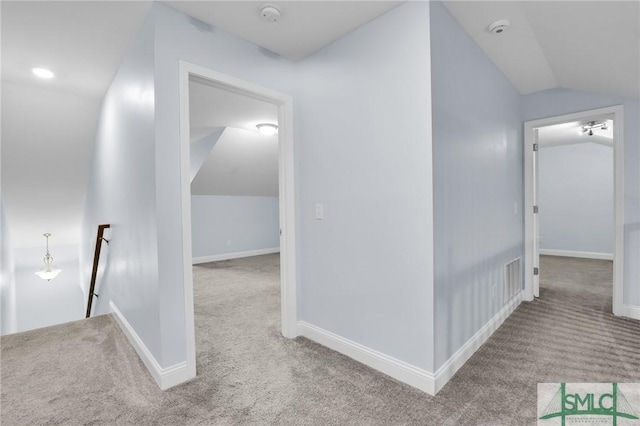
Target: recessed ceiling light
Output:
[(267, 129), (42, 73)]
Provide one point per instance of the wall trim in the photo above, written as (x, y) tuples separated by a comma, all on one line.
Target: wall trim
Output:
[(630, 311), (462, 355), (165, 377), (399, 370), (286, 197), (572, 253), (234, 255)]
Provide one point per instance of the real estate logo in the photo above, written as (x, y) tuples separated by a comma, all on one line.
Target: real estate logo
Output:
[(616, 404)]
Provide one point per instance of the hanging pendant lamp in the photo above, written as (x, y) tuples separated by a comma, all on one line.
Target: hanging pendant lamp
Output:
[(48, 271)]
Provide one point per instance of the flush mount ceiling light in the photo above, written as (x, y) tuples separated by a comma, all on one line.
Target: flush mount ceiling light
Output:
[(588, 128), (43, 73), (499, 26), (270, 13), (267, 129), (48, 271)]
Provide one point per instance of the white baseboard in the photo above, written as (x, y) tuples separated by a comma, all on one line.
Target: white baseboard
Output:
[(164, 377), (235, 255), (571, 253), (462, 355), (400, 370), (629, 311)]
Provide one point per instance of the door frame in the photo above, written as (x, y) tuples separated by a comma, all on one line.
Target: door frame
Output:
[(529, 181), (286, 198)]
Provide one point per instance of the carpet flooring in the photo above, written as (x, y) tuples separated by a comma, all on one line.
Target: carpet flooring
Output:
[(86, 373), (582, 282)]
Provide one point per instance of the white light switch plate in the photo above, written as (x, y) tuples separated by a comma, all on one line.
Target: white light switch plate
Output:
[(319, 212)]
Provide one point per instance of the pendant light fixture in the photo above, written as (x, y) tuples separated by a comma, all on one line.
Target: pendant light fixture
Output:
[(48, 271)]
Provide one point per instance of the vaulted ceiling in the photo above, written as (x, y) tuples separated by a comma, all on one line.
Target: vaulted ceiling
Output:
[(243, 161), (592, 46)]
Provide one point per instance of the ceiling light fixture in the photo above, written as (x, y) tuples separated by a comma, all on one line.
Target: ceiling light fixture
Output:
[(267, 129), (43, 73), (48, 271), (588, 128)]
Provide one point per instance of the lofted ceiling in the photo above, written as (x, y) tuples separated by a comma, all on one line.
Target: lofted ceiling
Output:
[(243, 161), (592, 46)]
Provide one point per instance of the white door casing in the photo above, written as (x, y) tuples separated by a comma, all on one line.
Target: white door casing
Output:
[(288, 284), (530, 188)]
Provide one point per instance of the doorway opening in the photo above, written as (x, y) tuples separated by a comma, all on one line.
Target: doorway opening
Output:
[(574, 226), (207, 138)]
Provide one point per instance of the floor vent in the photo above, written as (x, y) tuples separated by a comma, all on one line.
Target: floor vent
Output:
[(512, 280)]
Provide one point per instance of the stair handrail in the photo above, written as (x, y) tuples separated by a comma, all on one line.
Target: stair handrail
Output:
[(96, 259)]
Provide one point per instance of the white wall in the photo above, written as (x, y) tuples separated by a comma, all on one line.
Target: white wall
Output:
[(178, 37), (576, 198), (366, 270), (232, 224), (8, 315), (363, 115), (122, 192), (46, 147), (41, 303), (478, 181), (550, 103)]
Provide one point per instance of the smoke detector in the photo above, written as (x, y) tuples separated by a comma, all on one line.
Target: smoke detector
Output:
[(499, 26), (270, 13)]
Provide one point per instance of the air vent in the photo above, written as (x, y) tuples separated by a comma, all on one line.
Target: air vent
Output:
[(512, 280)]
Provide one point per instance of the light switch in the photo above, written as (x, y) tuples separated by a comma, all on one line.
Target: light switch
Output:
[(319, 212)]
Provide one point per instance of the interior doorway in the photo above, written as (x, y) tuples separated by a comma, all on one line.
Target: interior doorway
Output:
[(286, 202), (575, 212), (587, 124)]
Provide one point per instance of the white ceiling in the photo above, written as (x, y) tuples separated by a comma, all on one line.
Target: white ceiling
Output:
[(82, 42), (583, 45), (304, 26), (243, 161)]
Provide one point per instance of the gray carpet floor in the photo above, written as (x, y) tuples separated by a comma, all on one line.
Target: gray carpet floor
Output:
[(86, 373), (581, 282)]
